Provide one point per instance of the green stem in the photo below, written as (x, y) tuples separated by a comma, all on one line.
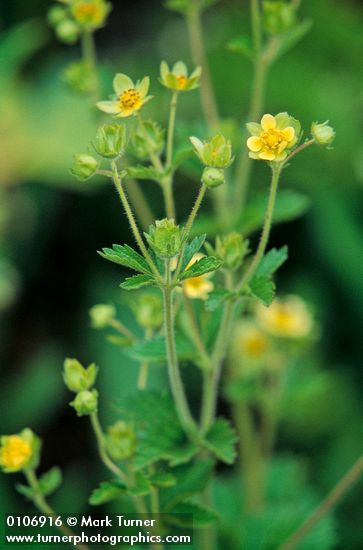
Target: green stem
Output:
[(176, 384), (276, 170), (169, 146), (102, 448), (90, 57), (335, 495), (144, 367), (140, 204), (43, 506), (122, 329), (153, 156), (195, 30), (195, 333), (132, 222), (167, 187)]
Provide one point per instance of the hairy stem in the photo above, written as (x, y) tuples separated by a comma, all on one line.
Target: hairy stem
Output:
[(176, 383), (276, 170), (335, 495), (171, 127), (140, 204), (43, 506), (102, 448), (195, 333)]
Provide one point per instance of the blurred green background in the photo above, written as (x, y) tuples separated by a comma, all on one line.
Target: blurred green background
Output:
[(51, 227)]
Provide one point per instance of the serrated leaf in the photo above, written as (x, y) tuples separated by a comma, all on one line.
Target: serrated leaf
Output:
[(50, 481), (263, 288), (191, 479), (289, 205), (271, 262), (140, 487), (216, 298), (107, 491), (192, 248), (126, 256), (26, 491), (221, 441), (141, 172), (137, 281), (201, 267), (154, 350), (190, 514), (158, 430)]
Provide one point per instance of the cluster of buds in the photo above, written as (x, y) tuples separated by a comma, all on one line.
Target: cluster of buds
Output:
[(109, 143), (80, 380), (19, 451), (164, 238), (216, 155), (77, 16), (278, 16)]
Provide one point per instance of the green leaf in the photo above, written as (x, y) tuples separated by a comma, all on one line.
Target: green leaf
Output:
[(221, 441), (216, 298), (137, 281), (107, 491), (126, 256), (140, 487), (192, 248), (263, 288), (154, 350), (190, 514), (141, 172), (50, 481), (289, 205), (202, 266), (241, 45), (191, 479), (163, 480), (271, 262), (117, 340), (26, 491)]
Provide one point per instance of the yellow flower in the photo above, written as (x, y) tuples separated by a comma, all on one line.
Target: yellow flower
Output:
[(251, 341), (177, 78), (273, 137), (130, 97), (90, 14), (287, 317), (15, 453), (197, 287)]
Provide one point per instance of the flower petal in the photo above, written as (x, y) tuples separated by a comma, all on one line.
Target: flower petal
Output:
[(265, 155), (281, 156), (143, 87), (254, 144), (110, 107), (164, 69), (122, 82), (289, 133), (180, 68), (268, 122)]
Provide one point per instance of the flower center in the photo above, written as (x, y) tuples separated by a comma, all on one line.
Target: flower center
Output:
[(86, 12), (272, 139), (284, 318), (182, 80), (15, 453), (130, 99), (255, 345)]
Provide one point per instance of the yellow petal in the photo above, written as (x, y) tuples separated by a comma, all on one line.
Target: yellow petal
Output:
[(281, 156), (289, 133), (268, 122), (282, 146), (254, 144), (265, 155), (110, 107)]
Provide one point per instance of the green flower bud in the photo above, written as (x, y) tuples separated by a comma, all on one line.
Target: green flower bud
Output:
[(19, 451), (84, 167), (120, 440), (85, 402), (56, 14), (110, 140), (67, 31), (177, 78), (80, 77), (216, 153), (278, 17), (231, 249), (155, 141), (149, 311), (76, 377), (322, 133), (165, 238), (102, 315), (213, 177)]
